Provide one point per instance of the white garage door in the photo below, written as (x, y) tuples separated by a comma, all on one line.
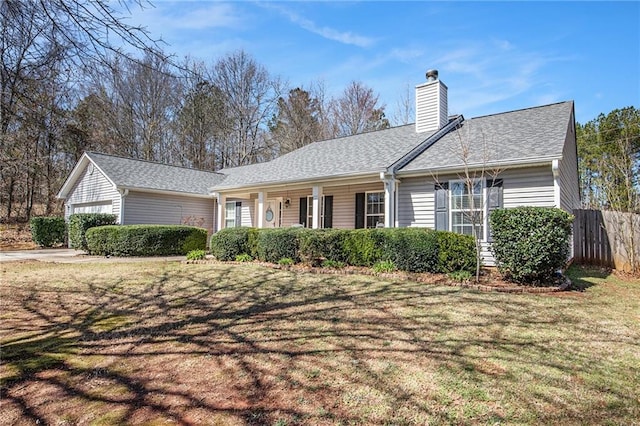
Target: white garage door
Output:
[(99, 207)]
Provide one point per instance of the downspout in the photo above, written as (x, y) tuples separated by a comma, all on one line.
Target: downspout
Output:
[(555, 169), (123, 194)]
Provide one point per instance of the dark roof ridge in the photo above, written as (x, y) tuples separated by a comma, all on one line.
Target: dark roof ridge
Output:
[(150, 162)]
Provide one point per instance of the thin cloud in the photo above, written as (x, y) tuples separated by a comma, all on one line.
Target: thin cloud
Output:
[(344, 37)]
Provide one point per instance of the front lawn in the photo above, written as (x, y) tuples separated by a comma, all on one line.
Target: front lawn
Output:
[(157, 343)]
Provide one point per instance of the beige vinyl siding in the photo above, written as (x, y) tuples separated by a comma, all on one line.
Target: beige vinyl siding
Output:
[(247, 213), (528, 187), (344, 203), (568, 168), (165, 209), (92, 193), (415, 203)]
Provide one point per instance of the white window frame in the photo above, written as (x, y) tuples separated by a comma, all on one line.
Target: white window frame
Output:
[(367, 214), (226, 215), (483, 208), (309, 222)]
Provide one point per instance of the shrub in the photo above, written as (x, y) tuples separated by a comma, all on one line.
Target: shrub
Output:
[(317, 245), (286, 261), (79, 223), (48, 231), (276, 243), (384, 266), (362, 248), (196, 255), (244, 257), (530, 243), (460, 276), (335, 264), (410, 249), (228, 243), (145, 240), (456, 252)]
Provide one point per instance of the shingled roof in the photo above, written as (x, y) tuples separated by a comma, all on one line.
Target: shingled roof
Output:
[(353, 155), (126, 173), (514, 137)]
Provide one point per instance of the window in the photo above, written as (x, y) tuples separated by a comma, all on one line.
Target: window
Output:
[(230, 220), (374, 209), (467, 209), (460, 206)]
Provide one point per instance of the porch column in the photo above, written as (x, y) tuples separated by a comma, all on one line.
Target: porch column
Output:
[(389, 200), (222, 201), (317, 197), (260, 215)]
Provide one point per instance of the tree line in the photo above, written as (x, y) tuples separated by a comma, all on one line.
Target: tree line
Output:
[(74, 77)]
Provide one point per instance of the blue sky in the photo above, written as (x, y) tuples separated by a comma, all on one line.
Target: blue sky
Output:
[(493, 56)]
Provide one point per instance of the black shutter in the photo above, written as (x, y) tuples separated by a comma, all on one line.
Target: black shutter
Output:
[(238, 213), (303, 211), (442, 206), (328, 211), (494, 202), (360, 210)]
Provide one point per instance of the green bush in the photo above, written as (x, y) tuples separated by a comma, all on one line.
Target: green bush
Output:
[(530, 243), (286, 261), (456, 252), (276, 243), (196, 255), (244, 257), (48, 231), (384, 266), (410, 249), (228, 243), (145, 240), (318, 245), (362, 247), (334, 264), (79, 223)]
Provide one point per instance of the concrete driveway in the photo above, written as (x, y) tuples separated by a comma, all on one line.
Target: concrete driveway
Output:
[(62, 255)]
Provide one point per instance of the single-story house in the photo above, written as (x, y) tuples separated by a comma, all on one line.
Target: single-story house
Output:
[(443, 172)]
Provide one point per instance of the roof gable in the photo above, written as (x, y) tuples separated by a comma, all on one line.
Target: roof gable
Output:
[(522, 136)]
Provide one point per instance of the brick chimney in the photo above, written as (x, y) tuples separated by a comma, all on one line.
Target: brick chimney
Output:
[(431, 104)]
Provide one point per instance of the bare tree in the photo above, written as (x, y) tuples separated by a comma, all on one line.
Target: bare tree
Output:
[(251, 96), (357, 110), (405, 109), (297, 122)]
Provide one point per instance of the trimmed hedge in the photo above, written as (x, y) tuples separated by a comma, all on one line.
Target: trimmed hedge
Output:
[(278, 243), (145, 240), (531, 243), (79, 223), (456, 252), (228, 243), (48, 231), (409, 249)]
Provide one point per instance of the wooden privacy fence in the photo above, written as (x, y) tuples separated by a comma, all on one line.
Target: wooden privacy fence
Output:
[(607, 238)]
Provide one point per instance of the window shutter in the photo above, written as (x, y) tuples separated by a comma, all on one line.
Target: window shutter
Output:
[(238, 213), (360, 210), (328, 211), (495, 197), (442, 206), (303, 211)]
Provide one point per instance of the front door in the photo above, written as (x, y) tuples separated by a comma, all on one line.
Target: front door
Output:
[(272, 213)]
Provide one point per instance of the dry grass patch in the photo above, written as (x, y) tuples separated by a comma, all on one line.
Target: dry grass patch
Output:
[(156, 343)]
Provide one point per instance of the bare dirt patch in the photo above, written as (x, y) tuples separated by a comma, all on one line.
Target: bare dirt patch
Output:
[(157, 343), (16, 237)]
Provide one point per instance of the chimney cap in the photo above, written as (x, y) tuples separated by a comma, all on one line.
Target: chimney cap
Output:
[(432, 75)]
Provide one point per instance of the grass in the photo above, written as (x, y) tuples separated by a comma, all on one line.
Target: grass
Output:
[(242, 344)]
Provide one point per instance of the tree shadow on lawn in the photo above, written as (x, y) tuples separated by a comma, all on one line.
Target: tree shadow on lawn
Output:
[(250, 345)]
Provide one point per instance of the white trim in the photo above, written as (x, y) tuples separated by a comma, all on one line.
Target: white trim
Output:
[(316, 193), (366, 207), (260, 208), (555, 169)]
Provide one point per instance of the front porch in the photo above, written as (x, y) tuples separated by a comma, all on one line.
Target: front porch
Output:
[(362, 203)]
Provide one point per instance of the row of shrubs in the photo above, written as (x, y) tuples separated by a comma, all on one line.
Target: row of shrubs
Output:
[(96, 233), (410, 249)]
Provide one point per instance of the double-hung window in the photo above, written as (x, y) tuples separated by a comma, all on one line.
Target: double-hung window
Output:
[(231, 214), (464, 206), (467, 208), (374, 209)]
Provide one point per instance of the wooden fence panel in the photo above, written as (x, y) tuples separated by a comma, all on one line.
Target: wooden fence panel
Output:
[(607, 238)]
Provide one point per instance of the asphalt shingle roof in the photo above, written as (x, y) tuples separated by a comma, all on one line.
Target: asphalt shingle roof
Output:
[(515, 136), (363, 153), (129, 173)]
